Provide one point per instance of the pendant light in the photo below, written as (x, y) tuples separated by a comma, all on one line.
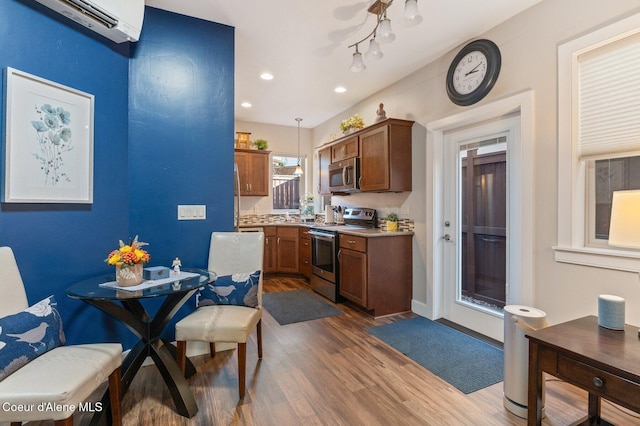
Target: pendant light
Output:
[(382, 32), (411, 16), (298, 170)]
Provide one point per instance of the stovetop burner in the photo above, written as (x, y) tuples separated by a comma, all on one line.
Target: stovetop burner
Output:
[(354, 218)]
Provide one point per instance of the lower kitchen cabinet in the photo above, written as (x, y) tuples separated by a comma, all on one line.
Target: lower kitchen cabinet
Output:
[(353, 276), (305, 253), (288, 249), (377, 272), (281, 249), (270, 250)]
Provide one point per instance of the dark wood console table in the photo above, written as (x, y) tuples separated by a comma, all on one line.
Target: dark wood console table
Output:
[(605, 363)]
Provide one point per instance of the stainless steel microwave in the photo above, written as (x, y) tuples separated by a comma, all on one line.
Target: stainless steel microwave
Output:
[(344, 175)]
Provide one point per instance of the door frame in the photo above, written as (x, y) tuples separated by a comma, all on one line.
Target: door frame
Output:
[(521, 222)]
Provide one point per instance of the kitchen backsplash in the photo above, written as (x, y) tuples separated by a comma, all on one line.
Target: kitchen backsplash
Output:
[(404, 225)]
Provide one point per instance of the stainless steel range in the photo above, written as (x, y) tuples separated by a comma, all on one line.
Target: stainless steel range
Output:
[(325, 276)]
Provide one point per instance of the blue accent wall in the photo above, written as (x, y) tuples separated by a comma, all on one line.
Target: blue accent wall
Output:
[(163, 136), (180, 137)]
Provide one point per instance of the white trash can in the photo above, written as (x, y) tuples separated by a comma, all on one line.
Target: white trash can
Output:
[(518, 320)]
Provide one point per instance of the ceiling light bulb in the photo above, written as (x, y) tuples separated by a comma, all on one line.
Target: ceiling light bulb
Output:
[(357, 64), (298, 170), (411, 14), (266, 76), (374, 53), (385, 33), (339, 89), (246, 104)]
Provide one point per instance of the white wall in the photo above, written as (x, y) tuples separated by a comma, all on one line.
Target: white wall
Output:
[(528, 43), (282, 140)]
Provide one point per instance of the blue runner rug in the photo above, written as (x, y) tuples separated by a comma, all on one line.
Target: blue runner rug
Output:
[(465, 362)]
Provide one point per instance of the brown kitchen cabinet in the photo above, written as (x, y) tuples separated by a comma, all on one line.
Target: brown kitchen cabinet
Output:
[(253, 168), (288, 249), (270, 250), (281, 249), (305, 253), (345, 149), (376, 272), (385, 157), (324, 159)]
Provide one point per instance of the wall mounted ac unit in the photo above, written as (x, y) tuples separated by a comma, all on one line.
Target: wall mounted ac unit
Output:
[(118, 20)]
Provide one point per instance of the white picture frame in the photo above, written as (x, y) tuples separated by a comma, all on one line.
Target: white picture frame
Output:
[(47, 143)]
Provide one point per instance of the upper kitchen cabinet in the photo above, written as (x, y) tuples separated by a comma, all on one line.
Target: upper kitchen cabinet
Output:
[(345, 149), (385, 156), (324, 159), (253, 168)]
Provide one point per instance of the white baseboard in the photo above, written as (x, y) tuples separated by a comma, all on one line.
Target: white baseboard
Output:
[(420, 308)]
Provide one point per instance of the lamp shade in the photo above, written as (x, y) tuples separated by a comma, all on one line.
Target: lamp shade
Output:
[(385, 33), (624, 228), (374, 53), (357, 64), (411, 14)]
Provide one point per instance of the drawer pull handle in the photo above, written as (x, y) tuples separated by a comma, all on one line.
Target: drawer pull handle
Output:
[(351, 241), (598, 382)]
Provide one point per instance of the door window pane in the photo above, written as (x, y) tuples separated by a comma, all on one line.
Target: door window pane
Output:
[(483, 199)]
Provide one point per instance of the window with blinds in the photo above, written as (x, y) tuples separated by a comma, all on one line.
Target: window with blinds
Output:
[(608, 127), (598, 140), (609, 101)]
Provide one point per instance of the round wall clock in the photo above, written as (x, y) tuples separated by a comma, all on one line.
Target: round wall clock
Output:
[(473, 72)]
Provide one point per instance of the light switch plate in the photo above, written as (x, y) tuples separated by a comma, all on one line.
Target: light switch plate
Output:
[(192, 212)]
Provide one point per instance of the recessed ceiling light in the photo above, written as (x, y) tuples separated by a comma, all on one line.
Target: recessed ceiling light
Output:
[(340, 89), (246, 104), (266, 76)]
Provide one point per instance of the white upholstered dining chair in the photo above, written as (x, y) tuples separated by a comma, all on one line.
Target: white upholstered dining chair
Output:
[(229, 253), (64, 376)]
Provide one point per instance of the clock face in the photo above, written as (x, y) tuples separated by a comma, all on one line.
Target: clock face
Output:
[(473, 72), (470, 72)]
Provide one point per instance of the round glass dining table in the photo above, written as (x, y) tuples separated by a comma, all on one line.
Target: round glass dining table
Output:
[(125, 305)]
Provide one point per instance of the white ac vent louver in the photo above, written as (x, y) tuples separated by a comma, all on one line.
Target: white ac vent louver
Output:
[(117, 20)]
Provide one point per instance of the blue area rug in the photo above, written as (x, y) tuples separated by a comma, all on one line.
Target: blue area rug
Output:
[(288, 307), (465, 362)]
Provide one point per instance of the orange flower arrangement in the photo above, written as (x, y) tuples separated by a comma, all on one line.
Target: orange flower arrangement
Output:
[(129, 255)]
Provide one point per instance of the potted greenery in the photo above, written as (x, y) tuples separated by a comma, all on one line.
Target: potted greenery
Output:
[(392, 222), (260, 144), (351, 124)]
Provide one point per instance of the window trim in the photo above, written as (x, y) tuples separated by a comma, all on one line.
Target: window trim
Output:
[(572, 173)]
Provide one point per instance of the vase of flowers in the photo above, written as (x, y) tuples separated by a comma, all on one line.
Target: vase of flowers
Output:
[(351, 124), (129, 260)]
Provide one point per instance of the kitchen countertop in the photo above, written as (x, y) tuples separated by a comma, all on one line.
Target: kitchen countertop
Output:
[(341, 229)]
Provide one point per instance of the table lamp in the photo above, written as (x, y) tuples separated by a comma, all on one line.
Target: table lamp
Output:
[(624, 231), (624, 228)]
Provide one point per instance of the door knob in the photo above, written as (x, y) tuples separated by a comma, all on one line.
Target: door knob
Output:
[(446, 237)]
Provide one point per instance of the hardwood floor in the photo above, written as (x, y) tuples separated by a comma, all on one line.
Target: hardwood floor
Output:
[(331, 372)]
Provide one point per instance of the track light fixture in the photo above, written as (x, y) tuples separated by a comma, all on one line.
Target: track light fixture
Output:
[(382, 32)]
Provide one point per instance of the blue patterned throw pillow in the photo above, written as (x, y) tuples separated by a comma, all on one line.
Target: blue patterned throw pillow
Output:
[(28, 334), (237, 289)]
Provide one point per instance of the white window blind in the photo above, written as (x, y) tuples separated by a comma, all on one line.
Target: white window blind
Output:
[(609, 100)]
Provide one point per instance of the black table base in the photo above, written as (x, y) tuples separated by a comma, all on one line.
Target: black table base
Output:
[(137, 319)]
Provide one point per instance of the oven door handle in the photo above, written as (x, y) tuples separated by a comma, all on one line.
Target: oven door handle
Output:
[(322, 236)]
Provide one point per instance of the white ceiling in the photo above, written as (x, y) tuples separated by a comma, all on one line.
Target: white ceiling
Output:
[(303, 43)]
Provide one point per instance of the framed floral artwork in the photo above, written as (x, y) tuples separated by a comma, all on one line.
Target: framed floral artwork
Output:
[(47, 141)]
